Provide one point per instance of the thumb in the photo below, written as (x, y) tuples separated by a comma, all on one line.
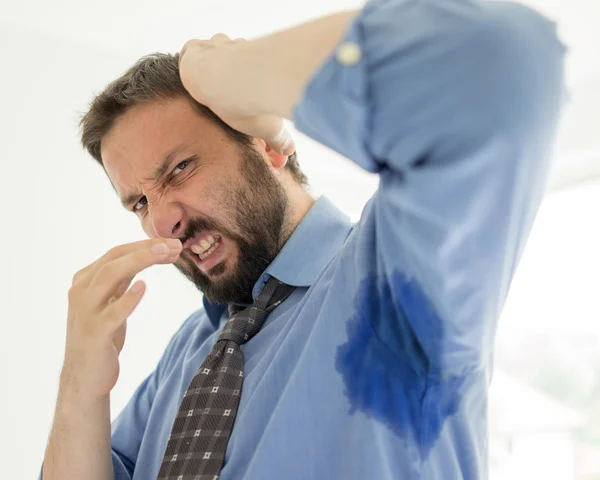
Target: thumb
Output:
[(272, 130), (282, 142), (268, 127)]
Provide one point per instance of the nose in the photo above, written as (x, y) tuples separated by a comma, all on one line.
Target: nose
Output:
[(166, 221)]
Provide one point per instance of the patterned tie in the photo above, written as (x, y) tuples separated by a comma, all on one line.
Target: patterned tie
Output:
[(203, 425)]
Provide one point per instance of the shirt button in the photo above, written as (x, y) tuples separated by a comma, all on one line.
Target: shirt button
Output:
[(349, 54)]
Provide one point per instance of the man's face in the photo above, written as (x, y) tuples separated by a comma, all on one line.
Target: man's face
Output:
[(185, 178)]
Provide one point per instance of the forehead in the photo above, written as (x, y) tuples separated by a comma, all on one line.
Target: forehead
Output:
[(141, 138)]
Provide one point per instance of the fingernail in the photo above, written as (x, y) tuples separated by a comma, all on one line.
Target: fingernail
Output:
[(173, 244), (160, 248)]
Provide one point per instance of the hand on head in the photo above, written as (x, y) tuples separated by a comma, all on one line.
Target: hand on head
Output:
[(204, 69)]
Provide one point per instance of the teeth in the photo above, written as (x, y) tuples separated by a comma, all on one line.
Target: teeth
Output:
[(197, 249), (210, 250), (205, 247)]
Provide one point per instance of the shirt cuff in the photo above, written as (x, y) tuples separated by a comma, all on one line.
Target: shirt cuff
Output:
[(339, 90)]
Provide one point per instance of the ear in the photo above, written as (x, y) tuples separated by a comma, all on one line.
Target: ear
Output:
[(276, 159)]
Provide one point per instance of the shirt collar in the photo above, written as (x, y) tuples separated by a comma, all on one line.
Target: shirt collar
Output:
[(313, 244)]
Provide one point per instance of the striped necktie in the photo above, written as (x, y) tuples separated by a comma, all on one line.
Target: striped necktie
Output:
[(203, 425)]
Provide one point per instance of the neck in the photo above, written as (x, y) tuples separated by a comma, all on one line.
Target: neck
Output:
[(300, 202)]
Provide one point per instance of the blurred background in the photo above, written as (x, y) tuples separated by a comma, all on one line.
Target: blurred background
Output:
[(59, 214)]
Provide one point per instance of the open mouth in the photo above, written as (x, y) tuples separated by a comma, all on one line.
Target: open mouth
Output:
[(205, 247), (206, 250)]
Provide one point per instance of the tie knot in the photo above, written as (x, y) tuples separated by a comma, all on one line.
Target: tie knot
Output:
[(243, 325), (246, 323)]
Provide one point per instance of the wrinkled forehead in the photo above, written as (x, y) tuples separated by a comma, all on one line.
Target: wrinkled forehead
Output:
[(138, 138), (146, 134)]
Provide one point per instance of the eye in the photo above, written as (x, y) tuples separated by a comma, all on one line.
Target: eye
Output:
[(180, 166), (140, 204)]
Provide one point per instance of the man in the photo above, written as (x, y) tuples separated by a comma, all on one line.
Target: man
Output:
[(375, 359)]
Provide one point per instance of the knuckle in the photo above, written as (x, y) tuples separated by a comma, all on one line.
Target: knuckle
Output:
[(73, 292), (76, 278), (79, 275), (220, 36), (114, 252)]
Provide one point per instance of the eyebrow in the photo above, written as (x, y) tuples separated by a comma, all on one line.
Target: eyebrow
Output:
[(158, 173)]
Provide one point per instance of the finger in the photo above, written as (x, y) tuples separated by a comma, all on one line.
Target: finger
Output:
[(185, 48), (86, 275), (273, 132), (268, 127), (141, 245), (182, 53), (120, 290), (119, 311), (283, 142), (121, 270)]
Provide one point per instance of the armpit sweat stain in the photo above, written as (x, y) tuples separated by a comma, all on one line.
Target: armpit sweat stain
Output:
[(384, 369)]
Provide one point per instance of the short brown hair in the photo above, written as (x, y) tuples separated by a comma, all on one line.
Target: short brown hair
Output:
[(153, 77)]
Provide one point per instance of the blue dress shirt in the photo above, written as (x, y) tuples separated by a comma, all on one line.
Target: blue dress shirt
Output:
[(377, 366)]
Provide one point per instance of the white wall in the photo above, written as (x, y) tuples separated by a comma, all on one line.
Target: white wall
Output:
[(538, 455)]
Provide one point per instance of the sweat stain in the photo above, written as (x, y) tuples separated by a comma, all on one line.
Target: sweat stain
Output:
[(384, 368)]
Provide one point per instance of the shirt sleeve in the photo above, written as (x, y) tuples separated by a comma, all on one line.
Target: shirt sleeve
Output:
[(455, 104), (131, 425)]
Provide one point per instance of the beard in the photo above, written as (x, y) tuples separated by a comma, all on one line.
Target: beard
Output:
[(258, 206)]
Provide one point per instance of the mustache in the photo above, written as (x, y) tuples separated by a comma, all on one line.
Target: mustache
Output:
[(196, 225)]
